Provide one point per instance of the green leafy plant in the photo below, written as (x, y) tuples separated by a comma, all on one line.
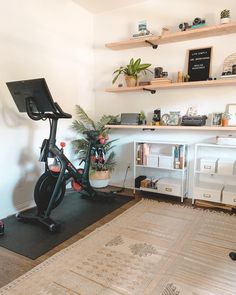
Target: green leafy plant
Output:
[(226, 115), (225, 13), (80, 146), (134, 68)]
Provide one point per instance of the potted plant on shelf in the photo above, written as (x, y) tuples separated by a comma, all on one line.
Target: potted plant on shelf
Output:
[(102, 158), (225, 119), (131, 72), (225, 16)]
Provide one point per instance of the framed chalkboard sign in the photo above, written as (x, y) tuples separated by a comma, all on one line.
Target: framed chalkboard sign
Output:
[(199, 63)]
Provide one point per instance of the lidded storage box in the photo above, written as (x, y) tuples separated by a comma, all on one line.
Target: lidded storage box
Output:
[(165, 161), (208, 165), (152, 160), (229, 195), (225, 166), (208, 192), (169, 186)]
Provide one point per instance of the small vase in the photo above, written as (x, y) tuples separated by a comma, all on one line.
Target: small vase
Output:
[(131, 81), (225, 20), (225, 122)]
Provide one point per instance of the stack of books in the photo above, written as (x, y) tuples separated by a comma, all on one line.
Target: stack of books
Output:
[(157, 81)]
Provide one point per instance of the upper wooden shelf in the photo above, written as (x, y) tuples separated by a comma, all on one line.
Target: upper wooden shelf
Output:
[(204, 32), (210, 83), (196, 128)]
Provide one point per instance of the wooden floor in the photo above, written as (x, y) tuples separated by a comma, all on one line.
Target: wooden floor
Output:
[(13, 265)]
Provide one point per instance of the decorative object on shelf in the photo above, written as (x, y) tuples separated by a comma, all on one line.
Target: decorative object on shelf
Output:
[(198, 22), (156, 119), (174, 119), (165, 119), (229, 66), (225, 16), (186, 78), (132, 71), (192, 111), (225, 119), (165, 31), (199, 63), (102, 159), (231, 110), (184, 26), (144, 83), (158, 72), (142, 118), (216, 119), (180, 77), (194, 120), (142, 30)]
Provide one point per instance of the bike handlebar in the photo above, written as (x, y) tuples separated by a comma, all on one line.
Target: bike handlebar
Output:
[(36, 115)]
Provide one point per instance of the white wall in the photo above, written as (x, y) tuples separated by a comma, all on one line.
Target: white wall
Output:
[(121, 24), (51, 39)]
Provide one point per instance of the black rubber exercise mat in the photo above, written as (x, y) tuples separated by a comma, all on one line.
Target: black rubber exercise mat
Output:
[(74, 214)]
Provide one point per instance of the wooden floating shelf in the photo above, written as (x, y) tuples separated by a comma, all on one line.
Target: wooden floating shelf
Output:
[(203, 32), (210, 83), (180, 128)]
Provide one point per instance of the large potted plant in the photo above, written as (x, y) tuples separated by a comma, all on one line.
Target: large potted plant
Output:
[(131, 72), (102, 156)]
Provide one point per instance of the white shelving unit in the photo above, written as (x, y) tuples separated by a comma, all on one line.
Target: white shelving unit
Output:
[(214, 173), (165, 164)]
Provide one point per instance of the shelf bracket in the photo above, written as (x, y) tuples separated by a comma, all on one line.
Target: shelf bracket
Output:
[(150, 90), (154, 46), (146, 129)]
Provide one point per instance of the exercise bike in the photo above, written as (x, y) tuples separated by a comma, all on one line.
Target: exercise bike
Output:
[(34, 98)]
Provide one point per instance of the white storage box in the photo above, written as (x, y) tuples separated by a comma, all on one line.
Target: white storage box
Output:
[(208, 165), (169, 186), (229, 195), (152, 160), (208, 192), (226, 140), (225, 166), (165, 161)]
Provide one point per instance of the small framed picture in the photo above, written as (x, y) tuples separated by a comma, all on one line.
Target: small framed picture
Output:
[(216, 119), (231, 109)]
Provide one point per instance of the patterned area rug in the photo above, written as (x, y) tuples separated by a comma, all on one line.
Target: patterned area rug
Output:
[(152, 248)]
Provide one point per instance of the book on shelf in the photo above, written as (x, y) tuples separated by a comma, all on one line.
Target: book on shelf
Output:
[(160, 81), (142, 153), (178, 156)]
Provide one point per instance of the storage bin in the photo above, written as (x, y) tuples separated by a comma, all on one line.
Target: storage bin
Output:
[(169, 186), (152, 160), (229, 195), (165, 161), (208, 192), (208, 165), (225, 166)]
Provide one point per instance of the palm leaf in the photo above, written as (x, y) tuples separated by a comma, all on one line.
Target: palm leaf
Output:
[(84, 117)]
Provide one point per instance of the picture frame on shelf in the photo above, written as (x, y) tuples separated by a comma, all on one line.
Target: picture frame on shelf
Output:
[(231, 109), (216, 119)]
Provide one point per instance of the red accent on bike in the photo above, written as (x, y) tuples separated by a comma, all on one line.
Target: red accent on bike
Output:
[(55, 168), (76, 186), (62, 144)]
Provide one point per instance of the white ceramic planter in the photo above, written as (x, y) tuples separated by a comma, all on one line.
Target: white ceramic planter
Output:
[(225, 20), (99, 179)]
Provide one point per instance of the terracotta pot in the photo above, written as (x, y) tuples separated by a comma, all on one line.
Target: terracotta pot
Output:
[(225, 122), (99, 179), (131, 81)]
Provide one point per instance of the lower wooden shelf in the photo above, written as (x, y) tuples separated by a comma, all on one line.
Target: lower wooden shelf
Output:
[(151, 127)]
